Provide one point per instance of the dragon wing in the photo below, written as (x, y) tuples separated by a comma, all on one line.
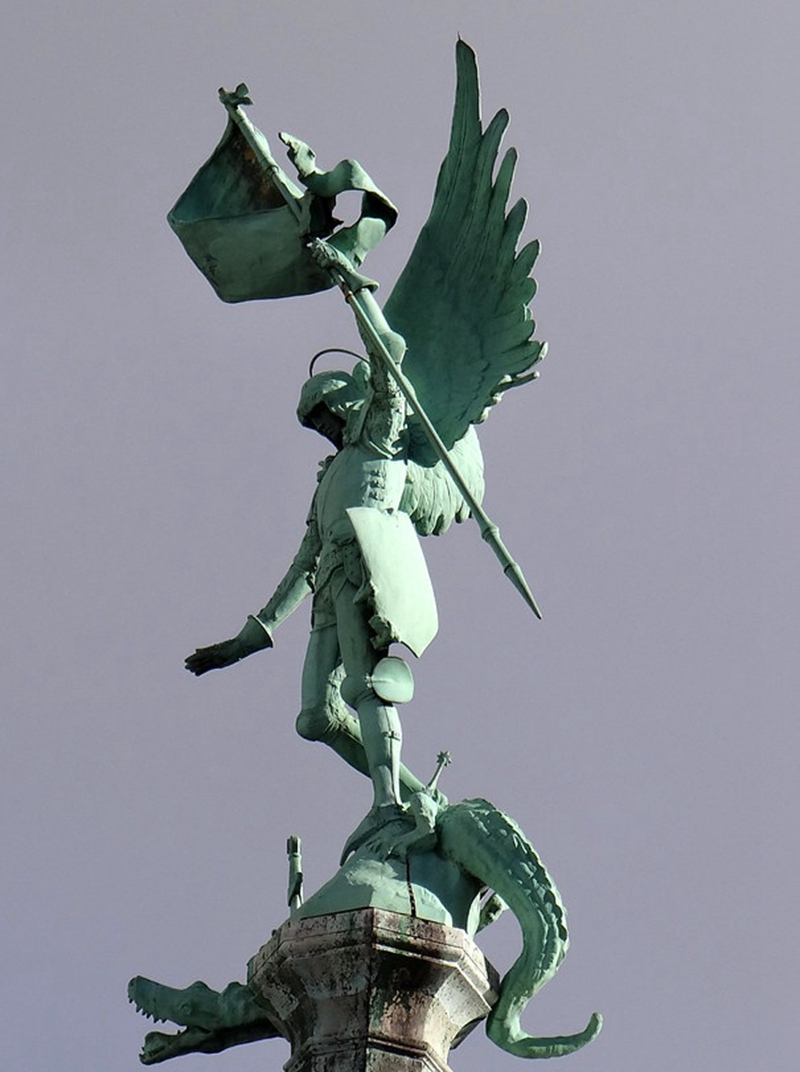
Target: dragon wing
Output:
[(461, 302)]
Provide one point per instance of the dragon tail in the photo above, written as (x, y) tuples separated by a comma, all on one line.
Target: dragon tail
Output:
[(489, 845)]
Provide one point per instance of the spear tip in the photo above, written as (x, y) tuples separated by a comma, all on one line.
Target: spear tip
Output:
[(517, 578)]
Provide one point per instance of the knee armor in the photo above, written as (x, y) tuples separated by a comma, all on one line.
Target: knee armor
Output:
[(391, 681)]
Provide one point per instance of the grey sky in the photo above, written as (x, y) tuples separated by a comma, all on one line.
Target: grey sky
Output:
[(156, 483)]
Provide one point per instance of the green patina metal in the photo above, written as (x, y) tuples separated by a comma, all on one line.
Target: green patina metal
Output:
[(454, 335), (402, 425), (460, 865), (246, 225)]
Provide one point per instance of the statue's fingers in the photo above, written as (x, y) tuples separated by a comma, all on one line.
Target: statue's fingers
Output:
[(198, 663)]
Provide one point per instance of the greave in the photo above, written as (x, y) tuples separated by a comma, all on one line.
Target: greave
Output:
[(382, 737)]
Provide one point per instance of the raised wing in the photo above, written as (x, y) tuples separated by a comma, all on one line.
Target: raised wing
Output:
[(462, 300)]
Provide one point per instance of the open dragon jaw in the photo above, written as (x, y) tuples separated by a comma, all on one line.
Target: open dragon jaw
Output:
[(405, 462)]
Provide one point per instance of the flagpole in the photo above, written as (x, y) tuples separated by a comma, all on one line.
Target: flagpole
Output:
[(233, 102)]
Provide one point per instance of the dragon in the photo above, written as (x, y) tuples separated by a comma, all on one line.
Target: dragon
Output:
[(487, 844), (458, 322), (212, 1020), (498, 869)]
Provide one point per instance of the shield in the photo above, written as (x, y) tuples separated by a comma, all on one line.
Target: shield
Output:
[(402, 593), (236, 224)]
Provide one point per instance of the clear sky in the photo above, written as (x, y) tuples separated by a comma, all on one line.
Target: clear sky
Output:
[(155, 485)]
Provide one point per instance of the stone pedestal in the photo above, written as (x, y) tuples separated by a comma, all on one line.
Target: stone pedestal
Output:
[(372, 991)]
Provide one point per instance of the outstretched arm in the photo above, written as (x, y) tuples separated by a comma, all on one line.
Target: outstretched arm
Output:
[(256, 634)]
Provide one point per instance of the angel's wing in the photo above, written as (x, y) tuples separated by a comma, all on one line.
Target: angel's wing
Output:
[(430, 496), (461, 302)]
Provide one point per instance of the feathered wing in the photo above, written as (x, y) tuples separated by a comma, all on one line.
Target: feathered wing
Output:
[(431, 498), (461, 302)]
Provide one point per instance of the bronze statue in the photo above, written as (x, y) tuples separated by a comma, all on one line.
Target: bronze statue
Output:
[(454, 335)]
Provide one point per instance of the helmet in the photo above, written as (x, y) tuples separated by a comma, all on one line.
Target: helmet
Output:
[(338, 391)]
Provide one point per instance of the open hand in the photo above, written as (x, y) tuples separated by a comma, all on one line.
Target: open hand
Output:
[(215, 657), (252, 638)]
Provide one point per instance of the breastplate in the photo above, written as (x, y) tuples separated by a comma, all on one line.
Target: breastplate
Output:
[(357, 477)]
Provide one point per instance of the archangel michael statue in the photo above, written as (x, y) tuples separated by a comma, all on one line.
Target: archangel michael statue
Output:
[(453, 336), (455, 333)]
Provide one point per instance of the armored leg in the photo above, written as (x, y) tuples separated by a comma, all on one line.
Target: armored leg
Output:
[(378, 721), (324, 715)]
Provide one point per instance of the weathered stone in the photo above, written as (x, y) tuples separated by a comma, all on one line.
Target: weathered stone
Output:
[(372, 991)]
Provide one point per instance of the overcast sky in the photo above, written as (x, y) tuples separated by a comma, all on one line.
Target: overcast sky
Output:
[(156, 484)]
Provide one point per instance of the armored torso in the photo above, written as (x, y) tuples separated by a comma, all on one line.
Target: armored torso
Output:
[(356, 476)]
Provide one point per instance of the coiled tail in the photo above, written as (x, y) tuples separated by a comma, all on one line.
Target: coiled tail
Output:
[(489, 845)]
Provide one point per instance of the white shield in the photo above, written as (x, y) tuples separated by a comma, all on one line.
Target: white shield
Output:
[(401, 586)]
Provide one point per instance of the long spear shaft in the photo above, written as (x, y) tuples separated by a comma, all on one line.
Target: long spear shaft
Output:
[(488, 529)]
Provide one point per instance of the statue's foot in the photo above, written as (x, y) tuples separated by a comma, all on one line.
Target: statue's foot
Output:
[(376, 822), (423, 809)]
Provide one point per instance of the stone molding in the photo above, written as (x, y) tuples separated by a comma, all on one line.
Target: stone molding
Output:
[(372, 991)]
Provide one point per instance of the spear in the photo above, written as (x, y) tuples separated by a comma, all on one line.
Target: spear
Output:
[(489, 530)]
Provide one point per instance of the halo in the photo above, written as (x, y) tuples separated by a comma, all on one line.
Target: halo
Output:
[(333, 350)]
